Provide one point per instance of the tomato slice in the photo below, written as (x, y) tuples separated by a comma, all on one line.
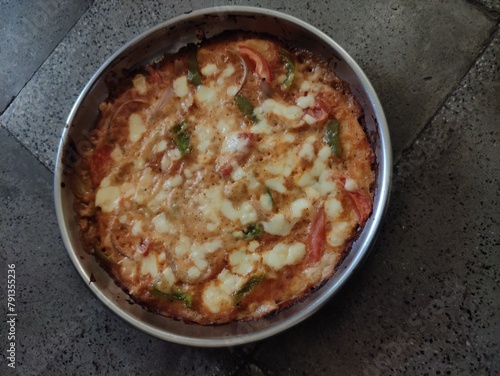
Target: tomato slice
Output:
[(100, 163), (261, 65), (362, 205), (316, 238)]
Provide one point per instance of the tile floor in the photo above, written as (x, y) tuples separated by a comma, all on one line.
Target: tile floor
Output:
[(427, 300)]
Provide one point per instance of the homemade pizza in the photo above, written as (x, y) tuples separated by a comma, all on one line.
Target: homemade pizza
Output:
[(225, 182)]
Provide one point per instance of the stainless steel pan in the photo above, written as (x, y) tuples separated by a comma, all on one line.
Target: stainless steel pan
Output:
[(169, 37)]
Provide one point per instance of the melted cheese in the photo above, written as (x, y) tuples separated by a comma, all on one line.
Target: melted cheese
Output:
[(306, 101), (209, 70), (276, 184), (107, 198), (140, 84), (136, 127), (278, 225), (299, 207), (246, 214), (338, 234), (243, 262), (162, 225), (217, 296), (149, 265), (281, 109), (284, 254), (333, 208), (181, 86), (205, 94)]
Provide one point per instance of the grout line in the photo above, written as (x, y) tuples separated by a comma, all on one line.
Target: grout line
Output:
[(484, 47), (490, 13), (13, 98), (2, 126)]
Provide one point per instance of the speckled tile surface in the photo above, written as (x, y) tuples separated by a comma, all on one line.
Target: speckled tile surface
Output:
[(427, 300), (30, 30), (401, 47)]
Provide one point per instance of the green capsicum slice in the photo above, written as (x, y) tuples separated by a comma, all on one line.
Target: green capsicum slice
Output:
[(247, 287), (245, 107), (193, 76), (332, 137), (181, 137), (290, 69), (253, 231), (172, 295)]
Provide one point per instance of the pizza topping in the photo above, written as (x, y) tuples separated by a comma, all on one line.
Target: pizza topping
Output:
[(209, 70), (248, 287), (362, 205), (243, 262), (193, 75), (246, 214), (261, 65), (136, 127), (245, 107), (283, 254), (290, 69), (107, 198), (333, 208), (181, 86), (278, 225), (316, 236), (181, 137), (177, 295), (271, 106), (140, 84), (253, 231), (299, 207), (149, 265), (332, 137), (305, 101)]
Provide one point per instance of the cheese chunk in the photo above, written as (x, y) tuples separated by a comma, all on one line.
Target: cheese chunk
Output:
[(107, 198), (284, 254), (136, 127), (278, 225), (181, 86)]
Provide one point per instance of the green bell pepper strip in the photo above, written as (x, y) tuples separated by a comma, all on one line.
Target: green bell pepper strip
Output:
[(253, 231), (193, 76), (290, 69), (245, 107), (247, 287), (181, 137), (332, 137), (177, 295)]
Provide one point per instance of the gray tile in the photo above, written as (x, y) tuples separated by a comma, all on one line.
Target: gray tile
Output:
[(492, 6), (414, 53), (61, 327), (426, 301), (30, 31)]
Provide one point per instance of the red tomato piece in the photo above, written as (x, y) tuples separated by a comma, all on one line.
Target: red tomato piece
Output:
[(362, 205), (316, 238), (100, 163), (261, 65)]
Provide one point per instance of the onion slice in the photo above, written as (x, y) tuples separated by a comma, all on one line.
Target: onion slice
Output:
[(245, 72), (110, 122)]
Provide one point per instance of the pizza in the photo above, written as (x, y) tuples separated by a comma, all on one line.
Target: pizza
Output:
[(227, 181)]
